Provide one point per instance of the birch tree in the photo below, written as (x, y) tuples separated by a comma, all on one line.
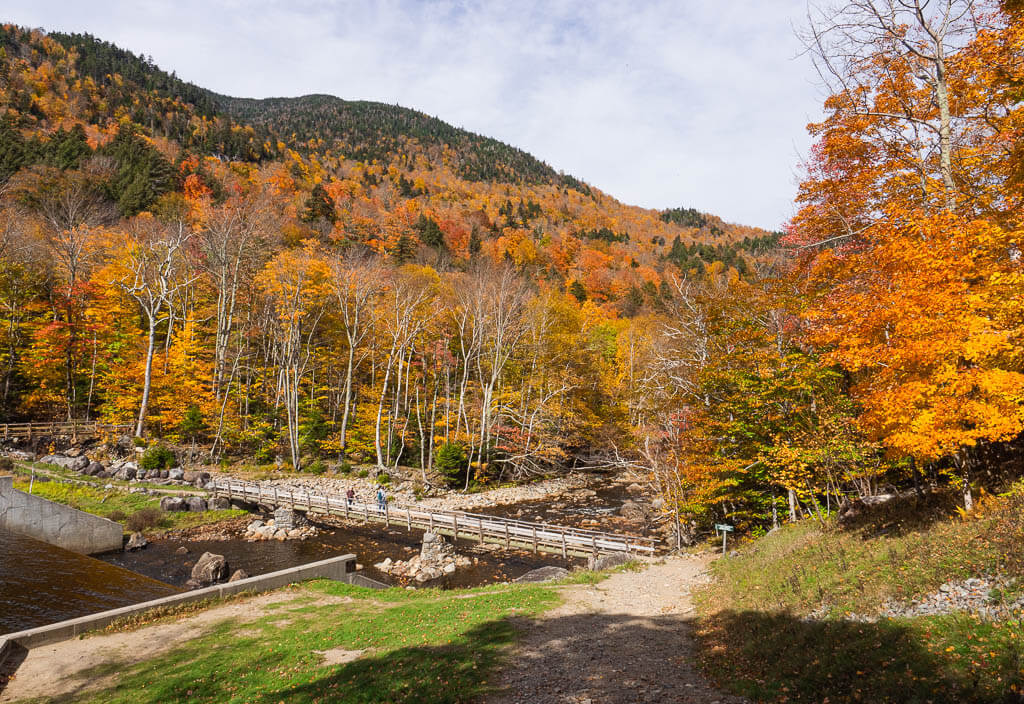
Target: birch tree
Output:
[(156, 276)]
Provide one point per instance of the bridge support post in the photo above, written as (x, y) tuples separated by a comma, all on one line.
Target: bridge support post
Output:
[(535, 540), (480, 521)]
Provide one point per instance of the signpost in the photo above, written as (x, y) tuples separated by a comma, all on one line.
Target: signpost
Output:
[(724, 529)]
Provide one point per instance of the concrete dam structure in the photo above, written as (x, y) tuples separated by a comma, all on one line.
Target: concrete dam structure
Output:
[(55, 523)]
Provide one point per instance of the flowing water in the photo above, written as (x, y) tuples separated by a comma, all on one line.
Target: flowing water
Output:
[(371, 544), (41, 584)]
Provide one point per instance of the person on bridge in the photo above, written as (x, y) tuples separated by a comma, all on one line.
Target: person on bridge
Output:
[(350, 496), (382, 499)]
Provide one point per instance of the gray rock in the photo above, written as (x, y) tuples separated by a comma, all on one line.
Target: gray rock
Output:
[(239, 574), (177, 473), (79, 463), (209, 569), (196, 503), (165, 473), (218, 503), (635, 511), (544, 574), (606, 562), (136, 542), (126, 473), (173, 503), (94, 468)]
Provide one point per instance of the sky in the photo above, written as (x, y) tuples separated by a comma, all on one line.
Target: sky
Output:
[(659, 103)]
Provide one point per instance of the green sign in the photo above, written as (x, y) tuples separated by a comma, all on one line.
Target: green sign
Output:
[(723, 527)]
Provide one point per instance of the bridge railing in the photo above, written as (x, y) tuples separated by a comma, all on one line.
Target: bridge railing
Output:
[(70, 428), (546, 537)]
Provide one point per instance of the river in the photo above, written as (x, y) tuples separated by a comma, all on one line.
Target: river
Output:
[(41, 584)]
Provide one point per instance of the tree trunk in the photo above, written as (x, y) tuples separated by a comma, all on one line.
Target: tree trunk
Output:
[(148, 379)]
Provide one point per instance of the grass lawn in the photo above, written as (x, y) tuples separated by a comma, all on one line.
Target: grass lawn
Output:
[(757, 640), (417, 646), (104, 502)]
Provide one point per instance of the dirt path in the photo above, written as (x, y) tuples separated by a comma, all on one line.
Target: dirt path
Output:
[(624, 640)]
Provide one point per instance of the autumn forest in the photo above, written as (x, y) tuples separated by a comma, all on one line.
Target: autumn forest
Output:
[(306, 282)]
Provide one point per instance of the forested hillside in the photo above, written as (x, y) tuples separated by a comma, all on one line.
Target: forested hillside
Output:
[(309, 279)]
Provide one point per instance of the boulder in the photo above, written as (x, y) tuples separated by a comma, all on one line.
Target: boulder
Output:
[(606, 562), (79, 463), (190, 477), (181, 551), (218, 503), (254, 526), (544, 574), (165, 474), (209, 569), (196, 503), (635, 489), (176, 473), (635, 511), (126, 472), (94, 469), (238, 574), (173, 503), (136, 542)]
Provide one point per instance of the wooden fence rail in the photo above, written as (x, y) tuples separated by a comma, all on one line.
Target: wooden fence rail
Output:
[(74, 429), (539, 537)]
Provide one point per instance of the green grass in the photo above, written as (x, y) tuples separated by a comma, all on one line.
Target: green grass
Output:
[(756, 638), (419, 646), (103, 502), (25, 469)]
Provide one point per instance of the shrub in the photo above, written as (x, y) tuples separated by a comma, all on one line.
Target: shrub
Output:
[(144, 518), (316, 467), (345, 467), (138, 442), (383, 479), (118, 516), (450, 460), (363, 473), (6, 464), (157, 457)]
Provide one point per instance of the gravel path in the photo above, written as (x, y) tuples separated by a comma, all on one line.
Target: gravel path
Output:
[(624, 640)]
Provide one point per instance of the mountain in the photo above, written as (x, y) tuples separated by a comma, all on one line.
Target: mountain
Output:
[(495, 196)]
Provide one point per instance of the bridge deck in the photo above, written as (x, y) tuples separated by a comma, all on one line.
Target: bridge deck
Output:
[(539, 537)]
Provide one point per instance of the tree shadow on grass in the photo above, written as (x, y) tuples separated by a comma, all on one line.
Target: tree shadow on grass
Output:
[(777, 657), (597, 656)]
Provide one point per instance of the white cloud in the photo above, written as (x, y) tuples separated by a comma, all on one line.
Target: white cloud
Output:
[(659, 103)]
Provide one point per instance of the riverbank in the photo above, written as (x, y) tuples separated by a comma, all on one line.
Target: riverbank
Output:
[(318, 641)]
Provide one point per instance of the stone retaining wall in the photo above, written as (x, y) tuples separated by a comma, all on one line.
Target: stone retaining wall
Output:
[(341, 569), (55, 523)]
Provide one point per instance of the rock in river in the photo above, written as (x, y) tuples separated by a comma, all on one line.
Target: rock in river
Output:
[(136, 542), (208, 570)]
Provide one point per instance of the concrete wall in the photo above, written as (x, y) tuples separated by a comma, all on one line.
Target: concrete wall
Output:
[(55, 523), (341, 569)]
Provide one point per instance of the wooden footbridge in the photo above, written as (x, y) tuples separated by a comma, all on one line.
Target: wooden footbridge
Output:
[(73, 429), (539, 537)]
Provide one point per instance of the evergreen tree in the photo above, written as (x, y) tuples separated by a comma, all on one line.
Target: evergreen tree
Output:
[(577, 290), (319, 206)]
